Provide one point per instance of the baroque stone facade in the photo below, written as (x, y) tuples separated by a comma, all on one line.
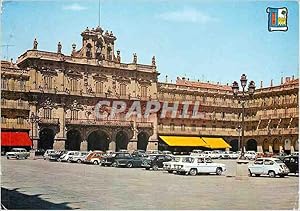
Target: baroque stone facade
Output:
[(61, 92)]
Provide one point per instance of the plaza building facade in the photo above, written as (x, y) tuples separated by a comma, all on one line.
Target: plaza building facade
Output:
[(52, 97)]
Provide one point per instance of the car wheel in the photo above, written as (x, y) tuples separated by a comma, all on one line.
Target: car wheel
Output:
[(95, 162), (249, 173), (69, 161), (59, 160), (257, 175), (17, 157), (281, 175), (7, 158), (170, 171), (147, 168), (79, 161), (193, 172), (155, 167), (271, 174), (114, 164), (218, 171), (129, 165)]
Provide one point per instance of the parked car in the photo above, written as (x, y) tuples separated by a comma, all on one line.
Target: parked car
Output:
[(216, 154), (151, 152), (197, 165), (39, 152), (292, 162), (66, 157), (250, 155), (268, 166), (47, 153), (129, 161), (295, 153), (18, 153), (167, 152), (94, 157), (56, 155), (169, 166), (79, 157), (111, 160), (196, 152), (280, 155), (156, 162)]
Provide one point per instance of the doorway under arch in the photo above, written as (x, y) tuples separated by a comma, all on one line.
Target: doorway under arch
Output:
[(98, 140), (121, 141), (251, 145), (46, 139), (142, 141), (234, 145), (73, 140)]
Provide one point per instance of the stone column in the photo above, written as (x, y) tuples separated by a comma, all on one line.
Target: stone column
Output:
[(270, 149), (280, 149), (152, 145), (292, 149), (132, 145), (112, 146), (83, 146), (59, 145), (259, 148)]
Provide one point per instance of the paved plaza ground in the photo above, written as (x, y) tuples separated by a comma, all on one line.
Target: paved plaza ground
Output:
[(39, 184)]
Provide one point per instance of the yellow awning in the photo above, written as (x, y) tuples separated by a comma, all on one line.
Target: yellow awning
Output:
[(183, 141), (216, 143)]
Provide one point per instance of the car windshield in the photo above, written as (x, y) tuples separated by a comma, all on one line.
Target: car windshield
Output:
[(176, 159)]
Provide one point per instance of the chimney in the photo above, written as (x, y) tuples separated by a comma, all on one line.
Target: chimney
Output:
[(271, 82), (281, 80), (166, 79), (261, 84)]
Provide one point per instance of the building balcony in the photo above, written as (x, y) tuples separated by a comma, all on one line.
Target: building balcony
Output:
[(198, 131), (14, 124), (144, 124), (15, 105), (52, 121), (114, 123), (274, 131)]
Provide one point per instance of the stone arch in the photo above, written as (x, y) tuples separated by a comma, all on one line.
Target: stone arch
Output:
[(46, 139), (98, 140), (122, 140), (265, 145), (251, 145), (234, 145), (276, 145), (142, 142), (73, 140)]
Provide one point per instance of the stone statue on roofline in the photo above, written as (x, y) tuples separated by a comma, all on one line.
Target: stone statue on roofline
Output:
[(59, 47), (134, 58), (35, 44)]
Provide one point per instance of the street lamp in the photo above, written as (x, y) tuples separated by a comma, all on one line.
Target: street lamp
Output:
[(242, 95), (239, 129), (33, 119)]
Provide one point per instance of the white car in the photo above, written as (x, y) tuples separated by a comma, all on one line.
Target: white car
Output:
[(196, 165), (216, 154), (295, 153), (18, 153), (170, 165), (196, 152), (268, 166), (66, 157), (250, 155), (47, 153), (79, 157)]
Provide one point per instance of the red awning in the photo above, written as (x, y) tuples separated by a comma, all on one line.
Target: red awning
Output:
[(15, 139)]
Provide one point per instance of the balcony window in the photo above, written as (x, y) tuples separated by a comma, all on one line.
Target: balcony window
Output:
[(73, 84), (144, 91), (214, 127), (3, 101), (20, 102), (74, 114), (47, 82), (161, 126), (20, 120), (47, 113), (22, 85), (193, 127), (223, 115), (12, 84), (4, 83), (122, 89), (99, 87), (172, 126), (182, 127), (3, 119)]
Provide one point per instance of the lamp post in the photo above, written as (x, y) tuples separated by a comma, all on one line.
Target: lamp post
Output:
[(33, 119), (241, 95), (238, 129)]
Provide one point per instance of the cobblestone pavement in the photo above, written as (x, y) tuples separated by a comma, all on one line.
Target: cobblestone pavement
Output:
[(42, 184)]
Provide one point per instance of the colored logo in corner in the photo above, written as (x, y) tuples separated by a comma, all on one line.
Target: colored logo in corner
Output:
[(277, 20)]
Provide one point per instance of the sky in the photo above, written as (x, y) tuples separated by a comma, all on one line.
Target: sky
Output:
[(207, 40)]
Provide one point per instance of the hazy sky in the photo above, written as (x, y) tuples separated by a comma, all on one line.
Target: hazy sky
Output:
[(202, 40)]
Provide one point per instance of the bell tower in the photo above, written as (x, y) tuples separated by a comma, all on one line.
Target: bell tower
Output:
[(97, 45)]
